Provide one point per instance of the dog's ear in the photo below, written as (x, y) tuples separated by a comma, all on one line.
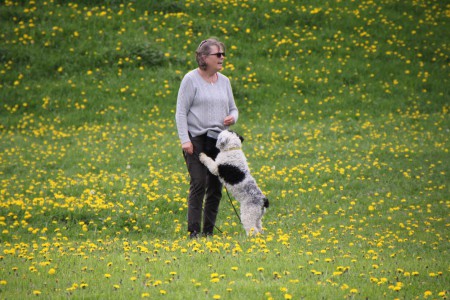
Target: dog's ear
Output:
[(222, 142), (241, 138)]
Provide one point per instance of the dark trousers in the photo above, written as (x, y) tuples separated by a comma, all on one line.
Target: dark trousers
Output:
[(202, 184)]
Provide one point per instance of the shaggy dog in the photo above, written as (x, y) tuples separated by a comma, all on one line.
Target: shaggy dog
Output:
[(231, 167)]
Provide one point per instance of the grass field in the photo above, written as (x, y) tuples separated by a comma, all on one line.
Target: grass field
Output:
[(345, 109)]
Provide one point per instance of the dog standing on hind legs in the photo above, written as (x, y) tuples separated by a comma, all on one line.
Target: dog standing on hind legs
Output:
[(231, 167)]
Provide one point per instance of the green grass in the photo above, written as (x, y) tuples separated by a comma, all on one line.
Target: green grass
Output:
[(344, 107)]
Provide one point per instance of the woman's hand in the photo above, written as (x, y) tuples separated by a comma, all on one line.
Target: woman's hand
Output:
[(229, 120), (188, 148)]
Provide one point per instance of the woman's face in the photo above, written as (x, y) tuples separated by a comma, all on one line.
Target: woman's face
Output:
[(213, 62)]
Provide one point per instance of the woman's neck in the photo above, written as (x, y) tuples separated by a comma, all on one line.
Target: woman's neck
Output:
[(209, 76), (207, 73)]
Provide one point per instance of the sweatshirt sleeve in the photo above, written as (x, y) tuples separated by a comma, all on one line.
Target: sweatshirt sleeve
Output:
[(184, 101), (231, 104)]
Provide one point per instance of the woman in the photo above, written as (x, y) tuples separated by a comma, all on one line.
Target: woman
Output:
[(205, 106)]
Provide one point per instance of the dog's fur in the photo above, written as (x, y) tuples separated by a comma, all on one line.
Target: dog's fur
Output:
[(231, 167)]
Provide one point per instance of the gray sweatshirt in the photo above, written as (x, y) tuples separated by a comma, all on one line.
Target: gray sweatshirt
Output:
[(202, 106)]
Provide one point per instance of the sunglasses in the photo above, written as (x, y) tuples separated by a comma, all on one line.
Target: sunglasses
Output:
[(218, 54)]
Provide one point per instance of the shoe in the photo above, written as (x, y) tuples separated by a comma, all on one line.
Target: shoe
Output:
[(207, 234), (193, 235)]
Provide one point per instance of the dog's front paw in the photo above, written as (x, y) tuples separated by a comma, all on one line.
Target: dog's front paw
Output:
[(203, 157)]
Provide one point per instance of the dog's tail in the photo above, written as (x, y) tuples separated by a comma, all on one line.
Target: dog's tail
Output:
[(266, 202)]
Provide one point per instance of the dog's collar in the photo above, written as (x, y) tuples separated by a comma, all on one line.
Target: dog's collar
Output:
[(235, 148)]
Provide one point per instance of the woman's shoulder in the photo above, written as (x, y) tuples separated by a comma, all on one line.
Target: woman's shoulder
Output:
[(192, 77), (223, 80), (220, 75), (192, 74)]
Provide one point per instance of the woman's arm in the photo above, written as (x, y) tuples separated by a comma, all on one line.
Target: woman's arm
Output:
[(184, 102)]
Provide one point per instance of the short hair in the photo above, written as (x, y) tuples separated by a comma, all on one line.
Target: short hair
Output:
[(204, 49)]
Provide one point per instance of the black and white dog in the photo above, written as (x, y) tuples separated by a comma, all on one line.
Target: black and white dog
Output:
[(231, 167)]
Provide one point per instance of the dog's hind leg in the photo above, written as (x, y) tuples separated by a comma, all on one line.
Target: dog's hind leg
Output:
[(209, 163), (249, 218), (262, 212), (259, 223)]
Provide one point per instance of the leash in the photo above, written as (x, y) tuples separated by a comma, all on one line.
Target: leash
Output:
[(234, 208), (215, 226), (235, 211)]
